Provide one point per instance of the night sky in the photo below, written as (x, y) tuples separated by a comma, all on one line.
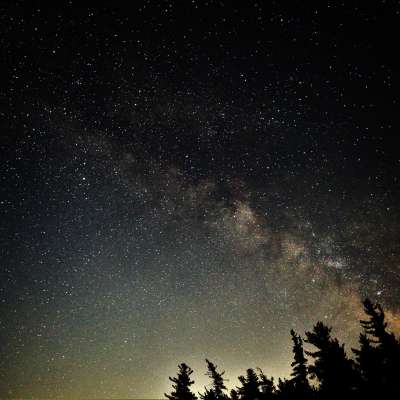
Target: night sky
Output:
[(191, 179)]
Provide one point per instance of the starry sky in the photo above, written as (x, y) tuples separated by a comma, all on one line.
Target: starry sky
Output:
[(191, 179)]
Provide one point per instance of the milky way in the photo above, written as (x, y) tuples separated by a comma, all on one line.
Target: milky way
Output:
[(189, 181)]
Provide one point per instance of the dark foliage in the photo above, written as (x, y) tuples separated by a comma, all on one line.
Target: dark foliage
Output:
[(378, 358), (333, 369), (181, 384), (267, 386), (373, 374), (234, 395), (299, 382), (218, 387), (250, 386)]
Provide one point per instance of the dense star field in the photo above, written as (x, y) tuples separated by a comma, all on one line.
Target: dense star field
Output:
[(182, 180)]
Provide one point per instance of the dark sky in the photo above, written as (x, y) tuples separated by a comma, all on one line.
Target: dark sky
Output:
[(191, 179)]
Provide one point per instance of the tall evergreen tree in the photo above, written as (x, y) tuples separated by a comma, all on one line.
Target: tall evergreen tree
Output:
[(378, 358), (250, 386), (368, 359), (181, 384), (209, 394), (218, 386), (299, 380), (234, 395), (375, 325), (285, 390), (332, 368), (267, 386)]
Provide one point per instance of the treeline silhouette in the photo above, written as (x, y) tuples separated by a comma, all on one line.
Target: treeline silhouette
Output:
[(372, 373)]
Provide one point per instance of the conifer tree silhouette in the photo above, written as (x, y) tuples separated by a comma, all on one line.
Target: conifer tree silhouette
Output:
[(378, 358), (181, 384), (218, 386), (300, 385), (209, 394), (332, 368), (376, 327), (234, 395), (266, 385), (285, 389), (368, 360), (250, 383), (374, 374)]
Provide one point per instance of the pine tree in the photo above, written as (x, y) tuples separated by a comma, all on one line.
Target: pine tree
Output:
[(376, 327), (181, 384), (368, 359), (332, 368), (285, 390), (209, 394), (218, 385), (250, 383), (217, 390), (378, 358), (299, 379), (267, 386), (234, 395)]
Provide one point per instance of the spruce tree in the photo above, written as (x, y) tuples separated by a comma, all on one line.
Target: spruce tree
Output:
[(250, 386), (332, 368), (234, 395), (376, 326), (378, 358), (218, 385), (266, 385), (368, 361), (181, 384), (209, 394), (285, 390), (299, 374), (217, 390)]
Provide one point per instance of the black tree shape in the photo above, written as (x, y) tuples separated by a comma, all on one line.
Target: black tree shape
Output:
[(181, 384)]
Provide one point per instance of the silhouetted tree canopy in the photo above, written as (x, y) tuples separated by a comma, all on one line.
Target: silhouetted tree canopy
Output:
[(250, 386), (299, 380), (217, 390), (334, 371), (378, 359), (373, 373), (181, 384), (234, 395), (267, 386)]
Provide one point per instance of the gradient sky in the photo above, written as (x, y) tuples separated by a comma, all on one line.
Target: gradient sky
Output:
[(182, 180)]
